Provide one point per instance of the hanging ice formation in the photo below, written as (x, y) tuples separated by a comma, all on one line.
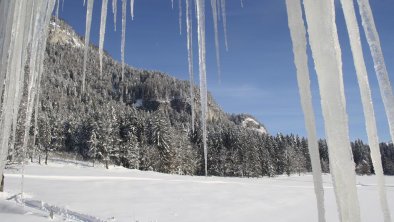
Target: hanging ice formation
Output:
[(87, 39), (203, 75), (380, 67), (366, 98), (22, 23), (298, 36), (180, 16), (320, 16), (224, 18), (124, 14), (114, 11), (215, 27), (132, 9), (57, 8), (242, 3), (189, 30), (103, 23), (172, 4)]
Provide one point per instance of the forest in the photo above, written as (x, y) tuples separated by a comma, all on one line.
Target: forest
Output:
[(143, 122)]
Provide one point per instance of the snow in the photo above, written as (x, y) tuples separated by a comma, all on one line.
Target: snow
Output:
[(298, 36), (131, 195), (370, 121), (257, 126), (64, 36), (138, 103), (320, 17)]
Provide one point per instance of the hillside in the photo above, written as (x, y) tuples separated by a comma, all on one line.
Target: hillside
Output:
[(144, 122)]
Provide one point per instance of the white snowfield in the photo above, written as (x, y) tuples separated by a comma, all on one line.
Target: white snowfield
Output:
[(83, 193)]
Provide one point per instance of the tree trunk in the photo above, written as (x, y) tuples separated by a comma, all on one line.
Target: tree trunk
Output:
[(2, 183), (106, 164), (46, 157), (39, 159)]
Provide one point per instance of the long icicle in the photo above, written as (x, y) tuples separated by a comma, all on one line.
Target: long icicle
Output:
[(189, 36), (12, 58), (114, 11), (203, 76), (365, 91), (298, 37), (57, 8), (36, 65), (380, 67), (224, 20), (124, 14), (215, 27), (180, 16), (103, 23), (87, 40), (320, 16), (132, 9)]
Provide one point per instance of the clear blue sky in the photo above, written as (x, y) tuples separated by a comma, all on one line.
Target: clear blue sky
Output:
[(258, 71)]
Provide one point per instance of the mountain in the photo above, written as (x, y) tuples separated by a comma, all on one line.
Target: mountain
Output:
[(144, 121), (142, 89)]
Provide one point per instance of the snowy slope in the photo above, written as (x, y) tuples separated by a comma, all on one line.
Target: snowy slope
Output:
[(130, 195)]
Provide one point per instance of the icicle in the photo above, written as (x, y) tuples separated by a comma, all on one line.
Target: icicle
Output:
[(203, 75), (132, 9), (57, 8), (172, 4), (224, 18), (378, 58), (189, 31), (114, 11), (124, 14), (320, 16), (63, 4), (298, 37), (89, 11), (180, 16), (13, 72), (84, 2), (242, 3), (215, 27), (384, 83), (103, 23)]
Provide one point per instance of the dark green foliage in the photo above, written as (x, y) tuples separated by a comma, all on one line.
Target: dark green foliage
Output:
[(143, 122)]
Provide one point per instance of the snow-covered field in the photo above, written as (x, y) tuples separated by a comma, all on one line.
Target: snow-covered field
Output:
[(96, 194)]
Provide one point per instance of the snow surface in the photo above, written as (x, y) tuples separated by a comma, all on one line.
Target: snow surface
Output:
[(131, 195), (257, 125)]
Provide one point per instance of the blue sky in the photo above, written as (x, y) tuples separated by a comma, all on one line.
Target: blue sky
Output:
[(258, 73)]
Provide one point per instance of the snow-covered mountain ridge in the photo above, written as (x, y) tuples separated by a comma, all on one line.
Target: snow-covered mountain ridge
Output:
[(62, 34)]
